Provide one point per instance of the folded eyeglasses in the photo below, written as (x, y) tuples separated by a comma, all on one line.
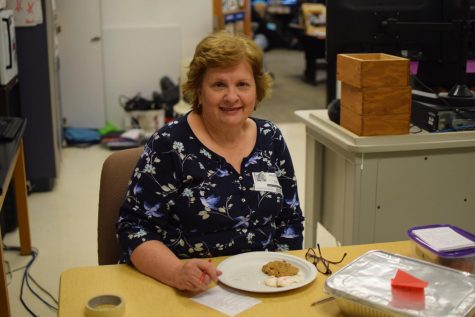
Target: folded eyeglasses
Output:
[(322, 264)]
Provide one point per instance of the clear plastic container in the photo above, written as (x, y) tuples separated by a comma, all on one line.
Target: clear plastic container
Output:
[(460, 259), (363, 288)]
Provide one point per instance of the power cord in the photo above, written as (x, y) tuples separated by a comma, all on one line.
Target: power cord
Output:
[(420, 82), (26, 280), (464, 113), (8, 272), (414, 129)]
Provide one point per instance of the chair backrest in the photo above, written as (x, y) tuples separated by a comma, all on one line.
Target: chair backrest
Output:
[(116, 172)]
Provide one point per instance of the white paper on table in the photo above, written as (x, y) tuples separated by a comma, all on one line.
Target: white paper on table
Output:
[(443, 238), (226, 301)]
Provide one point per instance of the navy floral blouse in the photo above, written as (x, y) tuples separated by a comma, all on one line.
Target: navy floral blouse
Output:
[(188, 197)]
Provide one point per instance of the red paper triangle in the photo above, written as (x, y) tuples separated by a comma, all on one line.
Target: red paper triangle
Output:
[(403, 279)]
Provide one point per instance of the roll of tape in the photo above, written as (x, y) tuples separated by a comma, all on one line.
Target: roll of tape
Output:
[(105, 306)]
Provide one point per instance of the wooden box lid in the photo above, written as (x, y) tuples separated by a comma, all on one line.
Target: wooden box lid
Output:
[(372, 70)]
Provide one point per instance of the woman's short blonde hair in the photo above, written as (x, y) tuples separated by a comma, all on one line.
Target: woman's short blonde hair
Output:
[(223, 49)]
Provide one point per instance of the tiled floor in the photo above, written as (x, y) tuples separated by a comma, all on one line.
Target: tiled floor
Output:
[(63, 226)]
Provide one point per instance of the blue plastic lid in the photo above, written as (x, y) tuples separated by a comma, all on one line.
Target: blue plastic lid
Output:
[(445, 254)]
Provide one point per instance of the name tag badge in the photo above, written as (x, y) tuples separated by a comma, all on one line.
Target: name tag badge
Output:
[(266, 182)]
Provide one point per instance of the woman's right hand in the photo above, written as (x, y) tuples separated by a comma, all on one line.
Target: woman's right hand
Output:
[(155, 259), (195, 275)]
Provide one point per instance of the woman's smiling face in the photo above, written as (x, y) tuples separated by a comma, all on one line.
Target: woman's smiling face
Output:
[(228, 95)]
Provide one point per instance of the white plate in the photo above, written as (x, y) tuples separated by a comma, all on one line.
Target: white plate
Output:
[(243, 271)]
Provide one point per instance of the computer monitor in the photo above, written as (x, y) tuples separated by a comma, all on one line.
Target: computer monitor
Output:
[(436, 35), (278, 2)]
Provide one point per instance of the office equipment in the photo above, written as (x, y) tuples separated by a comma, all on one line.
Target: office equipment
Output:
[(141, 292), (9, 99), (284, 2), (277, 2), (436, 35), (13, 168), (8, 47), (9, 127), (281, 7), (440, 117), (371, 189), (39, 100)]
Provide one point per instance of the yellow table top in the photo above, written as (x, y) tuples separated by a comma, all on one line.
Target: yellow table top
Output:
[(144, 296)]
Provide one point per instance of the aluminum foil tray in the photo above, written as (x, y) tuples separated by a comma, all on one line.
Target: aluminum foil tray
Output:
[(363, 288)]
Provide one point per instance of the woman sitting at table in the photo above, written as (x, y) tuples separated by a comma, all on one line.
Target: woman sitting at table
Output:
[(215, 181)]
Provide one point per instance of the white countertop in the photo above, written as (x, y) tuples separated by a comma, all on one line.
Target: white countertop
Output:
[(319, 121)]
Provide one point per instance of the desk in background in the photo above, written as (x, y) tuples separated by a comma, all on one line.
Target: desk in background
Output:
[(311, 33), (373, 189), (144, 296), (313, 44), (12, 167)]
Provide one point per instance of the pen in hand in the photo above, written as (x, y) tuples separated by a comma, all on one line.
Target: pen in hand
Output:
[(203, 274)]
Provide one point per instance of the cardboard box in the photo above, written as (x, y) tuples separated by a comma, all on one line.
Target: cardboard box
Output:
[(371, 125), (377, 100), (372, 70)]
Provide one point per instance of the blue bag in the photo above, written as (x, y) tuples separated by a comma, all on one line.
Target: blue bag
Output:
[(81, 136)]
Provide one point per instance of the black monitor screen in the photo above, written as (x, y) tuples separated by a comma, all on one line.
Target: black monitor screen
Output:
[(421, 30), (277, 2), (288, 2)]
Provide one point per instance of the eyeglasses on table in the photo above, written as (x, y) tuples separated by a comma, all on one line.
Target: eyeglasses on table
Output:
[(322, 264)]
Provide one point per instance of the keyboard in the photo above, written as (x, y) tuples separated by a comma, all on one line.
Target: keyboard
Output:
[(9, 127)]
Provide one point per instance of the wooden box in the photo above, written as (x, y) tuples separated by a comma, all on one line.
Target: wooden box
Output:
[(376, 100), (371, 125), (372, 70)]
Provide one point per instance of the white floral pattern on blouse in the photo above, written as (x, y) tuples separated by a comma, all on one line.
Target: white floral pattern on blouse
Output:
[(191, 199)]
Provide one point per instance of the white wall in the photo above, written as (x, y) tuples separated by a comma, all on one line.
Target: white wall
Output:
[(142, 41), (145, 40), (195, 17)]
